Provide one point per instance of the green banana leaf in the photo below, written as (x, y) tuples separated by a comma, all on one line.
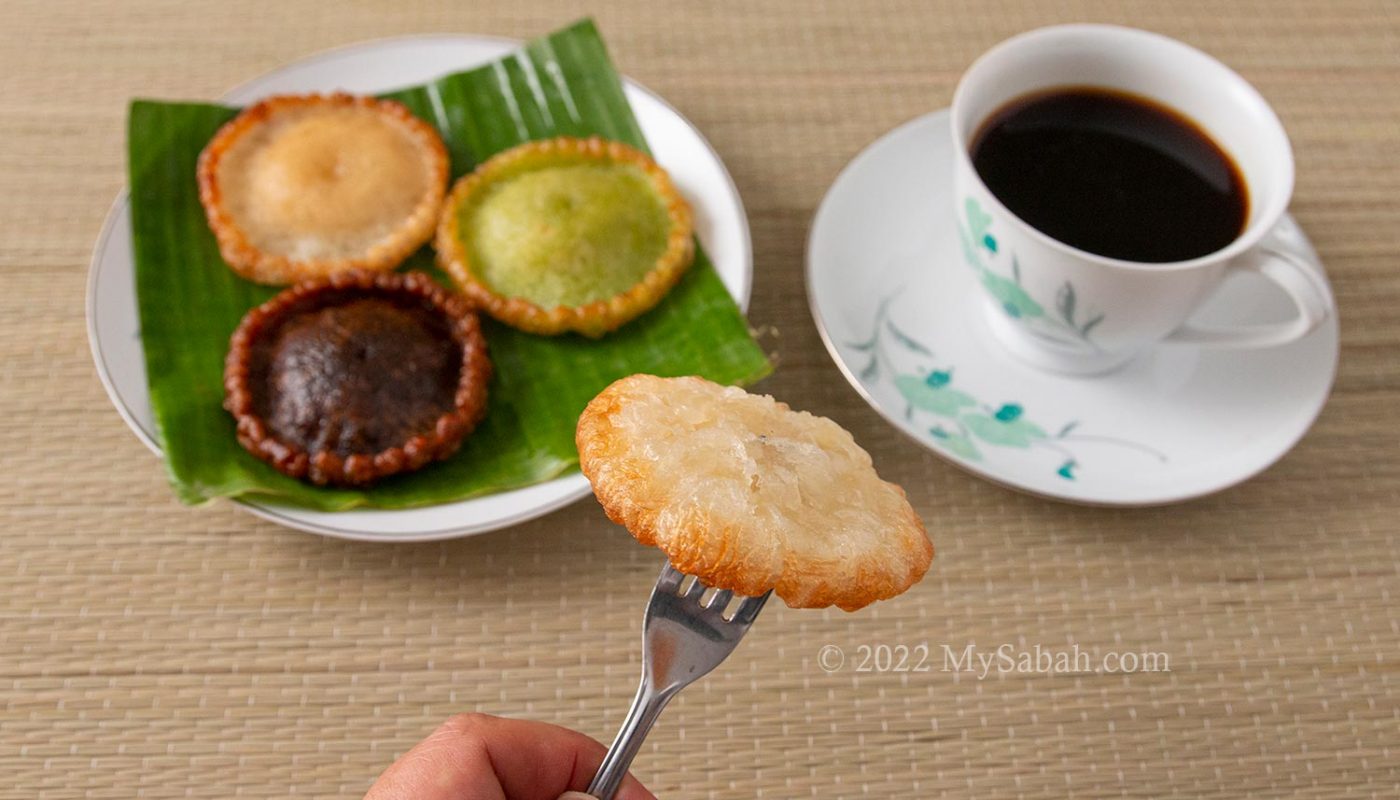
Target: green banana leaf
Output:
[(190, 302)]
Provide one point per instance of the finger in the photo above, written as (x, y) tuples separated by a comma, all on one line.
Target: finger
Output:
[(480, 757), (444, 766), (538, 761)]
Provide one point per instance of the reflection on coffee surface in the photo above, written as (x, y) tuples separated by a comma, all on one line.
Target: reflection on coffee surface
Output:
[(1113, 174)]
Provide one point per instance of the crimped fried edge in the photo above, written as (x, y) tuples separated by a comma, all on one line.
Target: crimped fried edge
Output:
[(598, 443), (244, 258), (591, 319), (325, 467)]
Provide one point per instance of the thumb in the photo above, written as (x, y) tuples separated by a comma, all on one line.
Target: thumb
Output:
[(576, 796)]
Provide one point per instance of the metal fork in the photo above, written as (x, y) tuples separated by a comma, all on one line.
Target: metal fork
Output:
[(682, 640)]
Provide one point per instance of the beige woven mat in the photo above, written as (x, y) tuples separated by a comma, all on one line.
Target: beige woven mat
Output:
[(151, 650)]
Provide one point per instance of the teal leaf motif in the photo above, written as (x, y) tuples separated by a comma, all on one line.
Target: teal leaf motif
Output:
[(943, 400), (990, 242), (1065, 300), (957, 443), (1007, 433), (970, 253), (1009, 412), (978, 221), (968, 425), (905, 339), (1014, 300)]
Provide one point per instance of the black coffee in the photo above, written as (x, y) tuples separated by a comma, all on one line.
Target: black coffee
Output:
[(1112, 173)]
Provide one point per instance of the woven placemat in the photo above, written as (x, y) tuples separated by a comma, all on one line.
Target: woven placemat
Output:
[(156, 651)]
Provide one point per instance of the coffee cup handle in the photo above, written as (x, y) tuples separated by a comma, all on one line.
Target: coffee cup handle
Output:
[(1293, 270)]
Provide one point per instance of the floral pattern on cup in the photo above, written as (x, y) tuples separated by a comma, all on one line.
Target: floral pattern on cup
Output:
[(1068, 324), (960, 423)]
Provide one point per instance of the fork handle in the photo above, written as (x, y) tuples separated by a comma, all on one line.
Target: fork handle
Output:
[(646, 707)]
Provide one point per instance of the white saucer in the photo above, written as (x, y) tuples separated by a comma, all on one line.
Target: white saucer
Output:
[(380, 66), (896, 308)]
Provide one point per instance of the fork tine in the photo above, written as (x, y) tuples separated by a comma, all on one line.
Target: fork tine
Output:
[(682, 643), (719, 600), (749, 608), (670, 579)]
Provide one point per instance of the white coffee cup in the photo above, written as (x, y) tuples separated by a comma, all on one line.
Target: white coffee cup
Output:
[(1117, 309)]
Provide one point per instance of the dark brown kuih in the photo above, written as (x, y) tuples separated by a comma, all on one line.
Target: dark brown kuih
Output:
[(331, 381)]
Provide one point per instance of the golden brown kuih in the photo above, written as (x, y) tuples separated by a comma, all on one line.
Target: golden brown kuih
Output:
[(350, 379), (748, 495), (566, 234), (303, 186)]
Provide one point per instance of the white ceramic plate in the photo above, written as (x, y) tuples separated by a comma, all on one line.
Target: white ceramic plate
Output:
[(893, 302), (380, 66)]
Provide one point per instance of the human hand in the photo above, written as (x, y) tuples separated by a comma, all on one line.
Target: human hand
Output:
[(481, 757)]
